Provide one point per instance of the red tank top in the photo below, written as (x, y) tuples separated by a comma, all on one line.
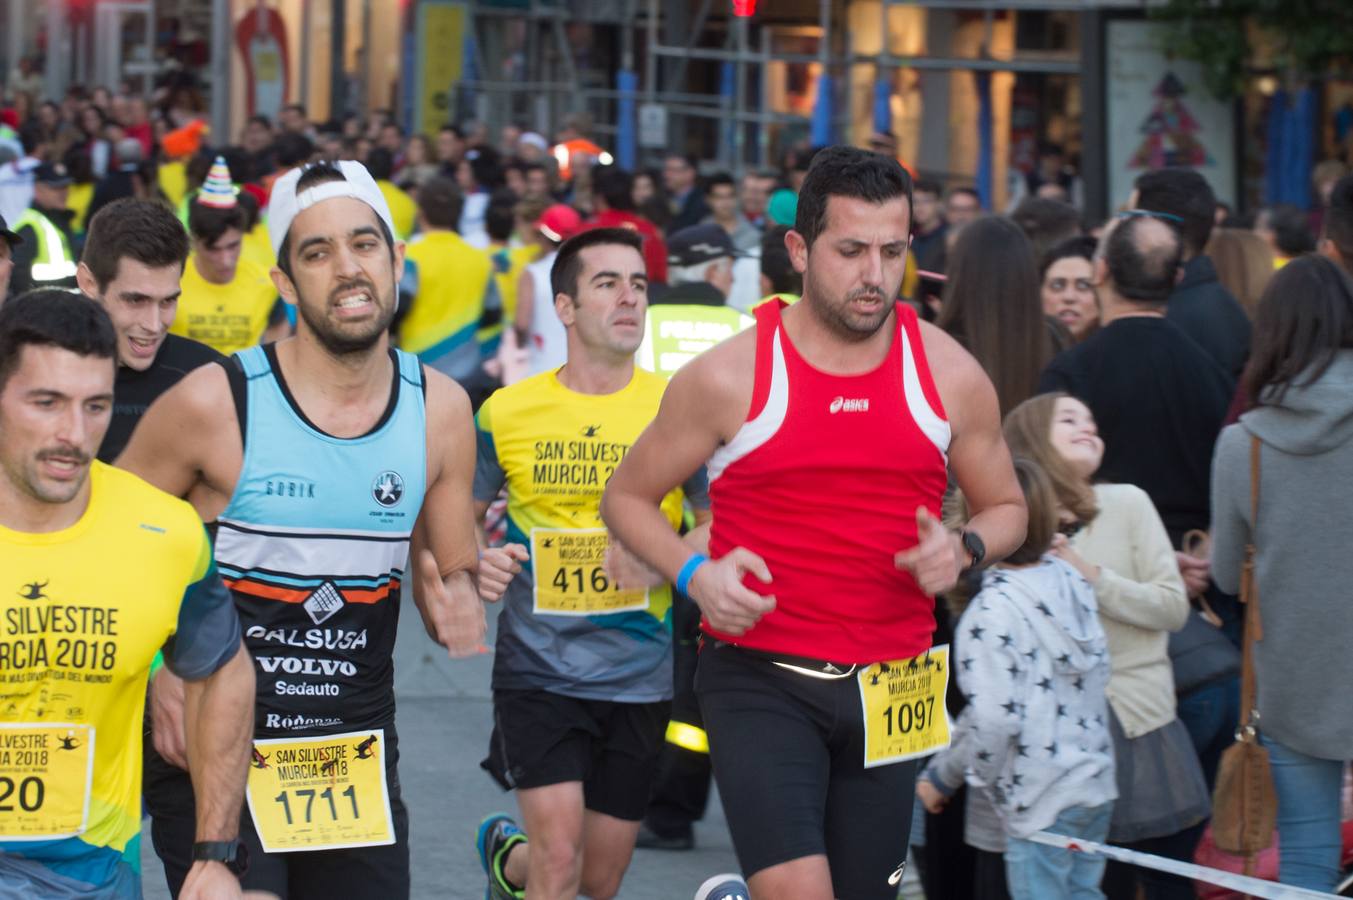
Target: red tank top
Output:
[(823, 481)]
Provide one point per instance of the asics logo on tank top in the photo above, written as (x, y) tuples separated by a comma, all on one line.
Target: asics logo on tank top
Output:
[(848, 404)]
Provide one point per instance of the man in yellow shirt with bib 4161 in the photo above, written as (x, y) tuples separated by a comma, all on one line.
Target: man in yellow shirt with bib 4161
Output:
[(228, 301), (582, 676)]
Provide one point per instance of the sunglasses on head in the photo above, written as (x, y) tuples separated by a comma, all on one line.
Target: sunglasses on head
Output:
[(1150, 214)]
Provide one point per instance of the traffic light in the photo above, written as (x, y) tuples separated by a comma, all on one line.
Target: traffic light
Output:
[(744, 8)]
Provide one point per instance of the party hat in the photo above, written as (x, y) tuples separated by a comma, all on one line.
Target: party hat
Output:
[(217, 191)]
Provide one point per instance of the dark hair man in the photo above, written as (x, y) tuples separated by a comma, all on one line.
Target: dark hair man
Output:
[(582, 673), (680, 174), (326, 460), (721, 196), (1200, 305), (928, 228), (790, 665), (127, 570), (132, 264)]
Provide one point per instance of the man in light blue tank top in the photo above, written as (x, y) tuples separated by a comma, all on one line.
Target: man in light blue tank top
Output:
[(327, 461)]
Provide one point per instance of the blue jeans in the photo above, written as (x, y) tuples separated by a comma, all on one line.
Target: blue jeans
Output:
[(1038, 872), (1309, 835)]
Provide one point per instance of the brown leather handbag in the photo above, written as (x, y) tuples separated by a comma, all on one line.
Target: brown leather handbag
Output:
[(1244, 804)]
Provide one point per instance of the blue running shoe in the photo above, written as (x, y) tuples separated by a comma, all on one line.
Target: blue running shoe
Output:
[(724, 887), (497, 835)]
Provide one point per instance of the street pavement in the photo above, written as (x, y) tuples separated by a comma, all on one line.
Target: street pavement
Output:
[(444, 719)]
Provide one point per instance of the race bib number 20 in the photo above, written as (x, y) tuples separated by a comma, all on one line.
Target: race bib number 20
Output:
[(570, 574), (904, 712), (45, 776), (320, 793)]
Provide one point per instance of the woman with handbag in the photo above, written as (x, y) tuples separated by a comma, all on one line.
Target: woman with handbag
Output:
[(1282, 485), (1112, 534)]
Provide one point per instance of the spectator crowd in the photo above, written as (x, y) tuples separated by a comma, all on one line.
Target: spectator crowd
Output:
[(1137, 363)]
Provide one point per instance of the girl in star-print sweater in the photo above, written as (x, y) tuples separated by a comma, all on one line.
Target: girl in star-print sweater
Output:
[(1033, 662)]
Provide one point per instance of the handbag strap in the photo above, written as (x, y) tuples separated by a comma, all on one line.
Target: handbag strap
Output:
[(1249, 596)]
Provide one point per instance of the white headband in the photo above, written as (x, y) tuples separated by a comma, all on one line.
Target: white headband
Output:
[(285, 204)]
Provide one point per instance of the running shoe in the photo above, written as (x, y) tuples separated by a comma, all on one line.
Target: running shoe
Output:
[(724, 887), (497, 835)]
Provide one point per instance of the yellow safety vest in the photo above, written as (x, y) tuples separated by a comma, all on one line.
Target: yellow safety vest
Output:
[(54, 260), (675, 334)]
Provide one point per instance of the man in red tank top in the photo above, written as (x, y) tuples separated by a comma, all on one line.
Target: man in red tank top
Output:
[(829, 430)]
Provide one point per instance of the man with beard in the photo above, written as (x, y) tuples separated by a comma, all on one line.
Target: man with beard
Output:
[(582, 675), (102, 571), (322, 459), (829, 429)]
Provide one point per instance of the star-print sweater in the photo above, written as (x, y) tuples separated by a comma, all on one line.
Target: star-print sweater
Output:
[(1033, 662)]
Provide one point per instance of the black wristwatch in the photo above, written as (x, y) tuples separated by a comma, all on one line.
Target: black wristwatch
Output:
[(232, 854), (972, 542)]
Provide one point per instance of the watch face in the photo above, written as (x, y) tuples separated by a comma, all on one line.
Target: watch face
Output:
[(973, 544)]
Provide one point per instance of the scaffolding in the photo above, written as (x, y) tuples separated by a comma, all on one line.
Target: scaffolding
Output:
[(643, 107), (554, 88)]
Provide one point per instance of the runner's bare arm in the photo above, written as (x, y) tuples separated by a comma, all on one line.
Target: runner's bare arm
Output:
[(680, 439), (704, 405), (445, 550), (188, 440), (219, 719), (526, 307), (978, 456)]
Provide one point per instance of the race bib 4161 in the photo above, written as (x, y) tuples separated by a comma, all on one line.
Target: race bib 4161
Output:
[(570, 574)]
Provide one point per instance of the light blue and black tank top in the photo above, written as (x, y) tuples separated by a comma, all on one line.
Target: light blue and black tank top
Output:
[(313, 547)]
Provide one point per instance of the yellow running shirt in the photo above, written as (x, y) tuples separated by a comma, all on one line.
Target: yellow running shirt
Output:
[(83, 612), (454, 282), (225, 317), (403, 209), (508, 264), (564, 627)]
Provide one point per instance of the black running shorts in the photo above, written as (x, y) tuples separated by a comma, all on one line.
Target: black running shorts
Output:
[(542, 738), (788, 754)]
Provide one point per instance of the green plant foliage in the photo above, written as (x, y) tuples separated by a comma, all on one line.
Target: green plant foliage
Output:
[(1301, 39)]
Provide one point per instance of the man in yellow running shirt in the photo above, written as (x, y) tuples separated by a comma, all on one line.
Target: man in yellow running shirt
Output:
[(228, 301), (103, 571), (582, 676)]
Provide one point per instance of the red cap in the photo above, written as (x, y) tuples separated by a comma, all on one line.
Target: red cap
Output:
[(559, 222), (9, 117)]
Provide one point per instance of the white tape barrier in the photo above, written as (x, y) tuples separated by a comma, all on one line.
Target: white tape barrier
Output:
[(1254, 887)]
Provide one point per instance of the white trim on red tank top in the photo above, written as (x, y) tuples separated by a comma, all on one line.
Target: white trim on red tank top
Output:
[(755, 433), (922, 413)]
